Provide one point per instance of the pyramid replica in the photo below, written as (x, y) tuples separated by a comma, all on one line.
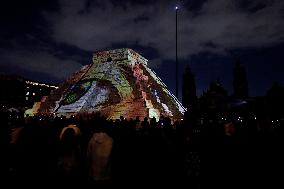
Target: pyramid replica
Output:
[(117, 83)]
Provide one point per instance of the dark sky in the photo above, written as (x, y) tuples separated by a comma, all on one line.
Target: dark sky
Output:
[(48, 40)]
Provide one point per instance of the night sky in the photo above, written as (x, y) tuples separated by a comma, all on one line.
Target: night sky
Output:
[(48, 40)]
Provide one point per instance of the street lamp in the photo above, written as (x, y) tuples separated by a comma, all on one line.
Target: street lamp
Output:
[(176, 53)]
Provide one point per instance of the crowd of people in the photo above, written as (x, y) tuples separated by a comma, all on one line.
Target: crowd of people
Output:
[(94, 151)]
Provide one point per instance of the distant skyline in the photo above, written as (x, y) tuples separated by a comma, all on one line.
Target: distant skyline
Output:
[(49, 40)]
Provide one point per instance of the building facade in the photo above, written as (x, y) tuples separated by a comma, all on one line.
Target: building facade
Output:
[(21, 93)]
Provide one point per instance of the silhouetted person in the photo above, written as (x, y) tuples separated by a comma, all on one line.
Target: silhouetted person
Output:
[(69, 163), (98, 157), (145, 124)]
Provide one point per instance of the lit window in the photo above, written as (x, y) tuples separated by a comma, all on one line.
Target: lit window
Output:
[(27, 93), (27, 98)]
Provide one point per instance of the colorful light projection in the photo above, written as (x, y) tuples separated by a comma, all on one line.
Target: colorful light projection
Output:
[(117, 83)]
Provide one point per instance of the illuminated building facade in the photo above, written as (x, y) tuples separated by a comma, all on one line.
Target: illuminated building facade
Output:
[(117, 83), (22, 93), (35, 91)]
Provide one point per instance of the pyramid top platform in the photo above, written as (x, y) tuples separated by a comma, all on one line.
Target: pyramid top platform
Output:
[(119, 55)]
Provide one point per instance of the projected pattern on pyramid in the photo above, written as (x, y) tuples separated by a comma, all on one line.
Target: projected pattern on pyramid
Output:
[(117, 83)]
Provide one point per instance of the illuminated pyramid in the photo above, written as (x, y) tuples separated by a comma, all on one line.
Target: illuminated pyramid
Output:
[(117, 83)]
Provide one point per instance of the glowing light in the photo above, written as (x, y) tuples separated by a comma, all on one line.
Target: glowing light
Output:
[(176, 7), (167, 110), (154, 113), (40, 84)]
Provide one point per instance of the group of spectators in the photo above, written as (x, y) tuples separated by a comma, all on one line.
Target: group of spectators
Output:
[(95, 151)]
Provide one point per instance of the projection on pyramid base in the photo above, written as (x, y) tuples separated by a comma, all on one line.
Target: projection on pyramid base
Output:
[(117, 83)]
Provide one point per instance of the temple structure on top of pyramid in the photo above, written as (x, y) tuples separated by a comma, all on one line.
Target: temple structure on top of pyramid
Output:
[(117, 83)]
